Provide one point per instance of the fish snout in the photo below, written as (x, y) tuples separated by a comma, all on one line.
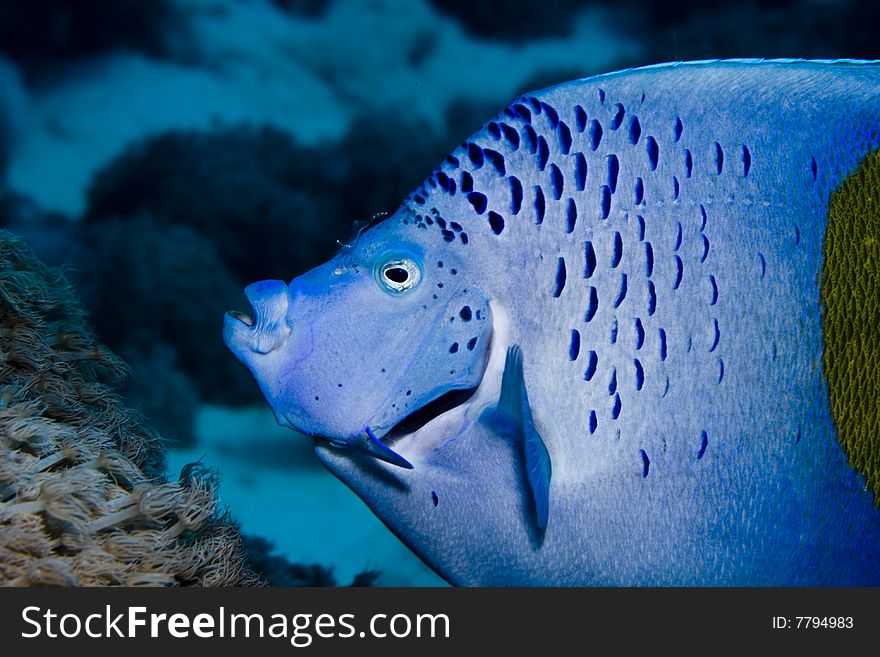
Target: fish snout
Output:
[(267, 329)]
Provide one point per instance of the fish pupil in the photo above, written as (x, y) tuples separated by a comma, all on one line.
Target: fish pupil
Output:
[(397, 275)]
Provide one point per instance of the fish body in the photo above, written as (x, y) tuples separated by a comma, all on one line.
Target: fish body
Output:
[(651, 244)]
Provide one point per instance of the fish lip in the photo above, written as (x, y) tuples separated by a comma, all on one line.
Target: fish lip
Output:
[(241, 317), (266, 327)]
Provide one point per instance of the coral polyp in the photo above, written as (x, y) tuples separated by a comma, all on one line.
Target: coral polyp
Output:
[(83, 498)]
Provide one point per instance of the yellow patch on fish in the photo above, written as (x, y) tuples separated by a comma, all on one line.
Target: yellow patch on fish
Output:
[(851, 319)]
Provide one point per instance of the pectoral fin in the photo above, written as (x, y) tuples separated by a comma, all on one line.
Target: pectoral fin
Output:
[(513, 417)]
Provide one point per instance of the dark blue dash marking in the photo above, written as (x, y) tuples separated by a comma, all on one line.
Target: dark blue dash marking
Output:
[(594, 422), (560, 277), (511, 135), (652, 298), (590, 259), (464, 238), (688, 163), (640, 333), (552, 114), (617, 117), (601, 96), (497, 160), (471, 344), (574, 347), (635, 130), (580, 118), (640, 374), (814, 168), (662, 335), (454, 348), (434, 498), (719, 159), (675, 187), (443, 179), (451, 159), (494, 130), (556, 181), (571, 214), (679, 272), (475, 154), (580, 172), (646, 463), (797, 235), (705, 249), (653, 151), (523, 111), (531, 138), (704, 443), (479, 201), (713, 298), (539, 204), (678, 236), (703, 217), (604, 202), (614, 327), (516, 194), (496, 222), (641, 221), (612, 383), (536, 104), (639, 191), (448, 236), (440, 221), (543, 152), (454, 225), (595, 134), (763, 264), (592, 364), (592, 305), (467, 182), (621, 294), (616, 250), (564, 137), (613, 171), (649, 259), (720, 370), (676, 133), (615, 409), (716, 337), (746, 160)]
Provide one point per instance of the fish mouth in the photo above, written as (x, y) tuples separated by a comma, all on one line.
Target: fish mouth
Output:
[(447, 416), (265, 328), (428, 413), (241, 317)]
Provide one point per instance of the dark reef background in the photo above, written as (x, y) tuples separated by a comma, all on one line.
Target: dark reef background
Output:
[(167, 153)]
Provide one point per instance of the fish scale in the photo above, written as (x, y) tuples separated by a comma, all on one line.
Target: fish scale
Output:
[(646, 248)]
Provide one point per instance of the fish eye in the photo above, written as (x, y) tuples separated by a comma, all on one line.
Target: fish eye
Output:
[(399, 275)]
